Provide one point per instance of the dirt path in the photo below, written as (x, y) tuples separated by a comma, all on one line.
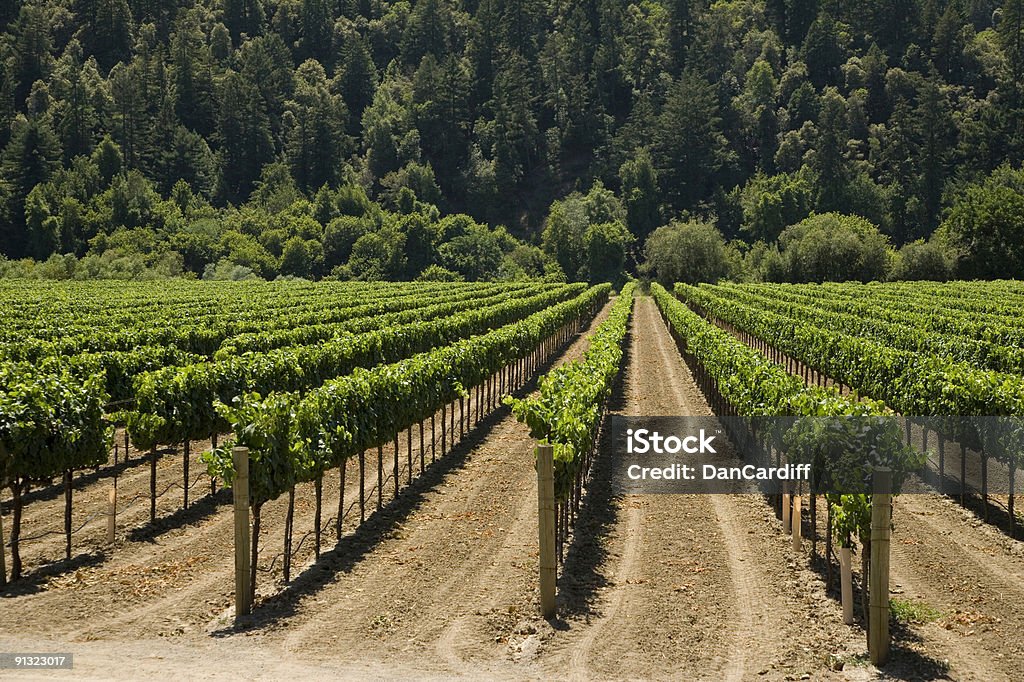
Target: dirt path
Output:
[(692, 587)]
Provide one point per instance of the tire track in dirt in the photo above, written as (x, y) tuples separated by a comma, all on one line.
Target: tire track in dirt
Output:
[(696, 587), (973, 575)]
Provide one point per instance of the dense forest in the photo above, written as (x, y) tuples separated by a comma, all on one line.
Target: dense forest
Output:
[(758, 139)]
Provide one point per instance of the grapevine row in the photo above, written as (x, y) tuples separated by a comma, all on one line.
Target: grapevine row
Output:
[(177, 403)]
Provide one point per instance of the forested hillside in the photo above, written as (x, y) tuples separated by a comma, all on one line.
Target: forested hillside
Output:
[(275, 135)]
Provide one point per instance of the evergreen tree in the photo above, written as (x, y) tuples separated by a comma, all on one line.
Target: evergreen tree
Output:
[(682, 24), (31, 58), (29, 159), (195, 103), (75, 116), (244, 17), (936, 132), (357, 81), (439, 94), (822, 51), (106, 31), (829, 162), (266, 64), (515, 147), (427, 31), (315, 140), (131, 125), (690, 150), (316, 31), (243, 131)]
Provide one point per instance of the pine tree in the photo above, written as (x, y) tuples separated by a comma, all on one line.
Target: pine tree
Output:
[(516, 144), (947, 44), (316, 31), (75, 115), (799, 16), (131, 125), (266, 63), (31, 58), (439, 93), (106, 31), (160, 13), (29, 159), (483, 50), (6, 101), (244, 17), (641, 195), (195, 103), (822, 51), (1011, 34), (243, 131), (315, 142), (681, 30), (830, 163), (936, 132), (689, 148), (427, 31), (356, 81)]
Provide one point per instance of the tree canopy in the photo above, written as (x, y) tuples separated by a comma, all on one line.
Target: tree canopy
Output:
[(749, 115)]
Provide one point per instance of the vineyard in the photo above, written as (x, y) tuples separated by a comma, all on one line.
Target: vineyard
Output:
[(387, 434)]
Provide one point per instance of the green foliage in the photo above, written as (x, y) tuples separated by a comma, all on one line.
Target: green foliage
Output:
[(641, 195), (30, 158), (586, 235), (687, 252), (835, 247), (773, 203), (690, 152), (844, 448), (986, 226), (475, 255), (292, 437), (750, 115), (913, 612), (51, 423), (607, 248), (436, 273), (378, 256), (921, 260)]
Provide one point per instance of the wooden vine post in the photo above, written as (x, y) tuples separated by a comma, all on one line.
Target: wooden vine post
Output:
[(185, 482), (846, 582), (112, 513), (796, 521), (546, 528), (785, 507), (68, 481), (243, 587), (152, 485), (878, 589), (3, 564)]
